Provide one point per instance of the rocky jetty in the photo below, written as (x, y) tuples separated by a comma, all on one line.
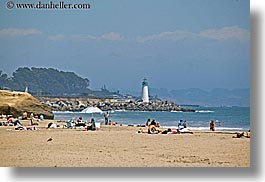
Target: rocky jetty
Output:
[(16, 103), (78, 104)]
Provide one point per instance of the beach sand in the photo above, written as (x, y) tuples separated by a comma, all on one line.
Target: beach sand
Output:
[(119, 146)]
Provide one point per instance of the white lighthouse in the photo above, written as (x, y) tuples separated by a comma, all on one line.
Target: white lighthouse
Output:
[(145, 96)]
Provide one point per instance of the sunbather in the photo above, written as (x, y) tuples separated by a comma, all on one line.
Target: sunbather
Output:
[(152, 130), (242, 135)]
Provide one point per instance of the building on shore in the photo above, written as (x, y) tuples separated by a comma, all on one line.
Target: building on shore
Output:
[(145, 96)]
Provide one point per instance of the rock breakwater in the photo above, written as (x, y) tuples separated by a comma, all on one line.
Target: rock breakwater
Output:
[(78, 104)]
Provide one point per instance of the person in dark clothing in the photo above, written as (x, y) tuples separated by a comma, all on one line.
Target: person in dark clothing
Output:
[(153, 122), (212, 125), (17, 122), (92, 126)]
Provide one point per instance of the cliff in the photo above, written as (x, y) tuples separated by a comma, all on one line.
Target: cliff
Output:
[(15, 103)]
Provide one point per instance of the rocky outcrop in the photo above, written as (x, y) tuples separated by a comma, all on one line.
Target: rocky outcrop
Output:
[(16, 103)]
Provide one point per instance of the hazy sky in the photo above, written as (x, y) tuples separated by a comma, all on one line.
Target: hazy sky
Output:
[(174, 43)]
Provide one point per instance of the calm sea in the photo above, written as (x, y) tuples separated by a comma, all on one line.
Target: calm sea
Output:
[(227, 118)]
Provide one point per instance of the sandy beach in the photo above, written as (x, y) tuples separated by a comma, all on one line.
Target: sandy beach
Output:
[(119, 146)]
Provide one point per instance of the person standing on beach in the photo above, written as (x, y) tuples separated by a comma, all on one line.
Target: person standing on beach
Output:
[(106, 116), (212, 125)]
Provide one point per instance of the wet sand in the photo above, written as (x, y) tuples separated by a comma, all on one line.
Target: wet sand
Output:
[(119, 146)]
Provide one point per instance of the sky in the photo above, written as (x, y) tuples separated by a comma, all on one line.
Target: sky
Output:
[(175, 44)]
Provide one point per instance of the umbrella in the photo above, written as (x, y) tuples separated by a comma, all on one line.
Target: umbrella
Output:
[(92, 110)]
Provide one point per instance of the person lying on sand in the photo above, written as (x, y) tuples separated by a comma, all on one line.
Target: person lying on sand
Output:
[(167, 131), (69, 124), (12, 122), (25, 128), (52, 125), (183, 131), (242, 135), (151, 130)]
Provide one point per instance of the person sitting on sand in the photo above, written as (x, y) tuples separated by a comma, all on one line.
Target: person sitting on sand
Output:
[(79, 120), (33, 123), (158, 124), (114, 123), (181, 125), (148, 122), (212, 125), (41, 117), (24, 116), (153, 122), (91, 126), (31, 116)]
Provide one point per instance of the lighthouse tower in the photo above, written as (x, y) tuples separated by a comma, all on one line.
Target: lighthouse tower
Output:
[(27, 89), (145, 96)]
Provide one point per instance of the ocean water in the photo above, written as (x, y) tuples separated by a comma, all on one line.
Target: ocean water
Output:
[(226, 118)]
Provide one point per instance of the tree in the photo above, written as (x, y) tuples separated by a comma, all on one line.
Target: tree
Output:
[(46, 80)]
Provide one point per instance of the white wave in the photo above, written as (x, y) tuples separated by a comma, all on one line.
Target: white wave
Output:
[(203, 128), (217, 129), (63, 112), (176, 111), (204, 111), (120, 110)]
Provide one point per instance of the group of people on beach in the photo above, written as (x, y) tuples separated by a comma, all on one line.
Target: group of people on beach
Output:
[(152, 128), (86, 125), (11, 121), (81, 123)]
